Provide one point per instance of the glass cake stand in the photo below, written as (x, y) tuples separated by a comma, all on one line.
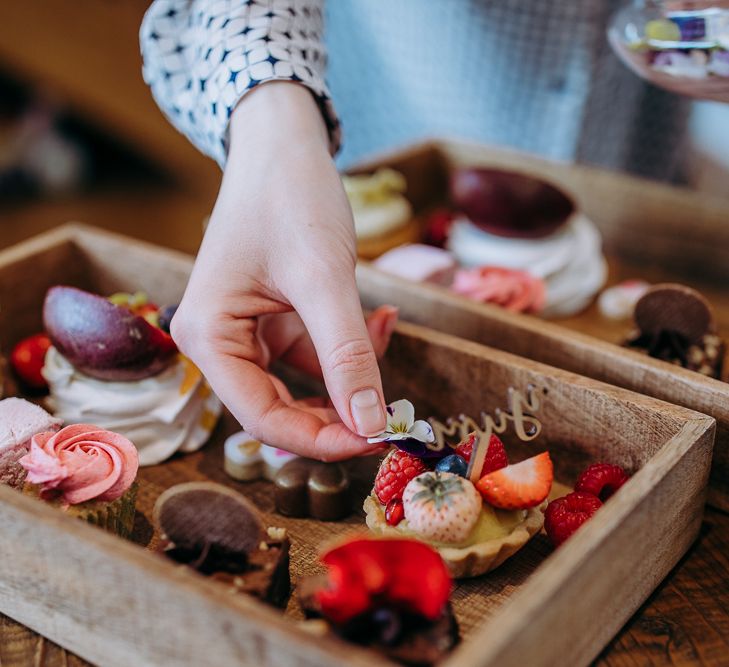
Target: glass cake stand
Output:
[(679, 46)]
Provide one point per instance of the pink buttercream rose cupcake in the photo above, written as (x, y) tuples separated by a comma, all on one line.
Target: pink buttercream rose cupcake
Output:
[(87, 472), (517, 291)]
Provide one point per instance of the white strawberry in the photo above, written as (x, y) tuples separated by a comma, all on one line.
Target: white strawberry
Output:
[(441, 506)]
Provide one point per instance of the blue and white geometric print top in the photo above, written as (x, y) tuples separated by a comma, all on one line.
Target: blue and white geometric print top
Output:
[(530, 74)]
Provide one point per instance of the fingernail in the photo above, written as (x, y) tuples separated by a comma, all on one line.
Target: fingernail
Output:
[(367, 412)]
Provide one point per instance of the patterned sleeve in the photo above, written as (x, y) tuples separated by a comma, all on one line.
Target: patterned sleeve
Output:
[(202, 56)]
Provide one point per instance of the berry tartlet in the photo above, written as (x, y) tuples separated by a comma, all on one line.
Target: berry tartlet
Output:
[(427, 494)]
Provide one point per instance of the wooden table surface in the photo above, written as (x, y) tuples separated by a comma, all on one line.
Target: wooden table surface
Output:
[(685, 622)]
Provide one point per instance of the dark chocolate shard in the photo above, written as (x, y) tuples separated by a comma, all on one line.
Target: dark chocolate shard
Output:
[(262, 573), (197, 514), (308, 488)]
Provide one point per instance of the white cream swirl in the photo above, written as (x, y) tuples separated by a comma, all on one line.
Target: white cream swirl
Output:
[(173, 411)]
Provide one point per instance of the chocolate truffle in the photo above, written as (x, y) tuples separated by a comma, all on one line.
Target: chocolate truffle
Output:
[(308, 488), (220, 534)]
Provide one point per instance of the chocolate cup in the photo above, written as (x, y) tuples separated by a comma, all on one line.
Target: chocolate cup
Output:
[(308, 488)]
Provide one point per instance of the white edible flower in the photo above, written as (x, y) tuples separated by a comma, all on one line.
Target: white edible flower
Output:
[(401, 425)]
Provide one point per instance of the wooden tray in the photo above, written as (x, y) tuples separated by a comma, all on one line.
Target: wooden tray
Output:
[(116, 603), (645, 226)]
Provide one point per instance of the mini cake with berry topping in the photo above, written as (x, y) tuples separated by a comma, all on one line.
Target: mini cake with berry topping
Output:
[(373, 596), (113, 363), (475, 519)]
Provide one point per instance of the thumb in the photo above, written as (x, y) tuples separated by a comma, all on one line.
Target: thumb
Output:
[(333, 317)]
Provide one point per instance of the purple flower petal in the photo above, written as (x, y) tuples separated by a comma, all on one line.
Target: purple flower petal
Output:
[(419, 449)]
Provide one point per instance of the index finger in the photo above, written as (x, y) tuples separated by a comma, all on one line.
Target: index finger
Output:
[(249, 394)]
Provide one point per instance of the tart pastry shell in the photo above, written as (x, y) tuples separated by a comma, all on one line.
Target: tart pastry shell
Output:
[(475, 559)]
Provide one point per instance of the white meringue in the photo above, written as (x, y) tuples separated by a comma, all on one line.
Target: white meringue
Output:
[(173, 411)]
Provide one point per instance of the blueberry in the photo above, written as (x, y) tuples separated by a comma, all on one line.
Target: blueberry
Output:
[(165, 317), (452, 463), (389, 625)]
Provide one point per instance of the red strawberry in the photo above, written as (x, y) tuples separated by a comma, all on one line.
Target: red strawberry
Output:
[(495, 454), (438, 227), (601, 480), (27, 359), (395, 472), (565, 515), (364, 574), (394, 512), (520, 485)]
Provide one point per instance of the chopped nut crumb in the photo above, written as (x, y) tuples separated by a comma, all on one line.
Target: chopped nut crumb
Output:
[(276, 533), (695, 355)]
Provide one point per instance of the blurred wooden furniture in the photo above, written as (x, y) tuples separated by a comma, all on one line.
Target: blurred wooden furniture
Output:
[(87, 53)]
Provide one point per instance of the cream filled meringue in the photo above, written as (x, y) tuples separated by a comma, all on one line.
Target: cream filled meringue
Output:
[(172, 411)]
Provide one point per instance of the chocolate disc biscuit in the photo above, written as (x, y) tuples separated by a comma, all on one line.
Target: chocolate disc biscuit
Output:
[(196, 514), (672, 307)]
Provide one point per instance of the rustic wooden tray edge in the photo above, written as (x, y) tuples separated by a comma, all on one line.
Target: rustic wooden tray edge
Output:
[(575, 591), (682, 419), (242, 630)]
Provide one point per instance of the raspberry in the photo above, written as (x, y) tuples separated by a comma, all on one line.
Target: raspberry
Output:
[(394, 512), (601, 480), (395, 472), (565, 515), (495, 455)]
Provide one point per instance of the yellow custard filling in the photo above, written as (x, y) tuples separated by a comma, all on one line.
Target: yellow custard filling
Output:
[(492, 524)]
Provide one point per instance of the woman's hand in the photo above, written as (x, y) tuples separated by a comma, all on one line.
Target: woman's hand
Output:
[(281, 239)]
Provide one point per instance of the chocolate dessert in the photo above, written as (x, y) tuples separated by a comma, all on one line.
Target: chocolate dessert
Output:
[(405, 637), (220, 534), (676, 324), (373, 596), (308, 488)]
